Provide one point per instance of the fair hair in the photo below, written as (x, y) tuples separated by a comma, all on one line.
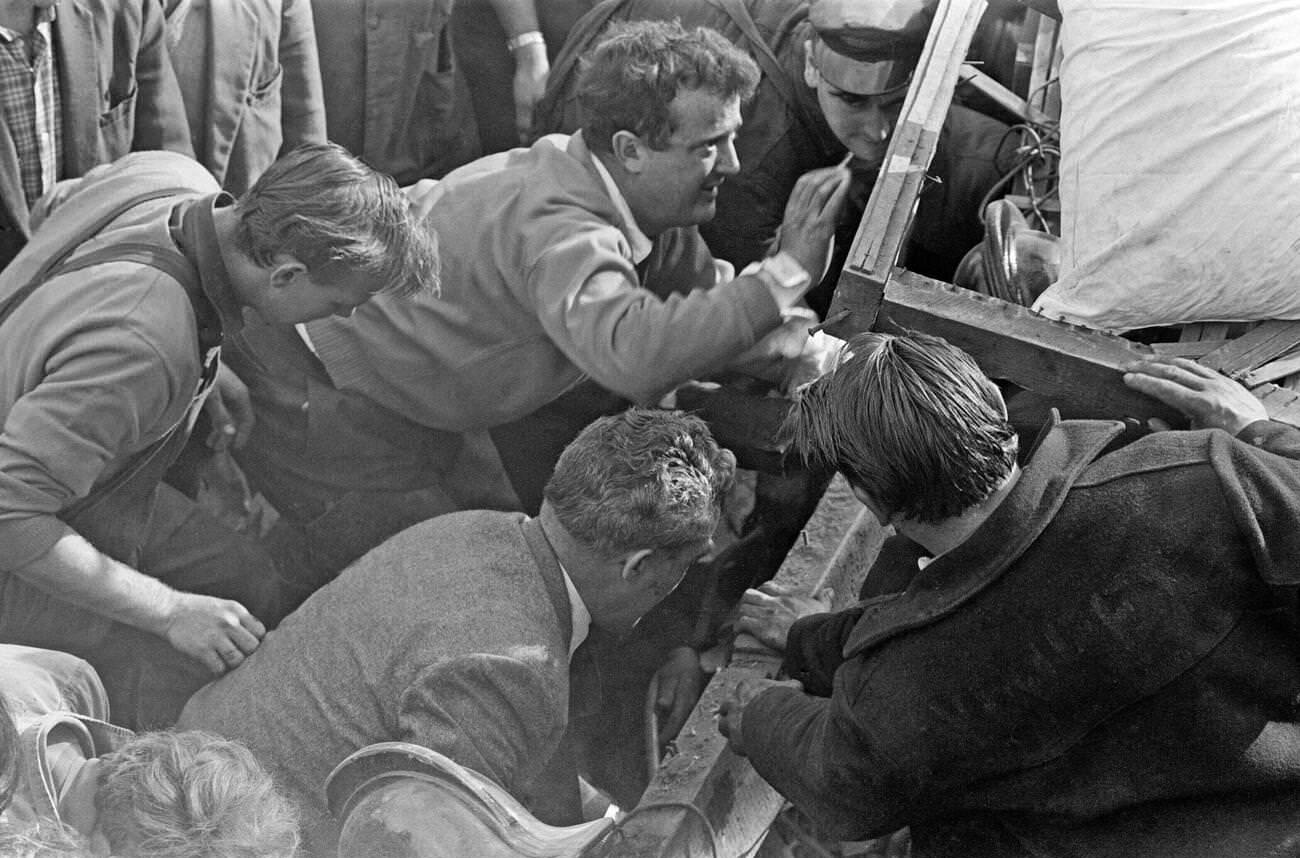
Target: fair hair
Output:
[(43, 838), (630, 79), (338, 217), (191, 795), (910, 420), (645, 478)]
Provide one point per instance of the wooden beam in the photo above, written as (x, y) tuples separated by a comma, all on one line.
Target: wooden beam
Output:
[(1273, 371), (888, 214), (1191, 349), (1077, 367), (837, 548), (1001, 96), (1265, 342)]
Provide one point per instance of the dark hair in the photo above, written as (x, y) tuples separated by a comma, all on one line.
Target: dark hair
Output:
[(629, 80), (912, 421), (644, 478), (340, 218)]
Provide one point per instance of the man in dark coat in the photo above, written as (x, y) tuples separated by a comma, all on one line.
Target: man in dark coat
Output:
[(1094, 654)]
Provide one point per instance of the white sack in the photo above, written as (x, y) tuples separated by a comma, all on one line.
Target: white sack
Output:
[(1180, 166)]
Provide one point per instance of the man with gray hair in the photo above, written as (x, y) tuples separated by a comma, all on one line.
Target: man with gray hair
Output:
[(456, 634)]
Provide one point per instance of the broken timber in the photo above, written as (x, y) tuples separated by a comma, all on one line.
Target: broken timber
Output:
[(837, 547)]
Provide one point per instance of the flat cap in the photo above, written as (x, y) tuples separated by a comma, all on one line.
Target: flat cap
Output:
[(869, 47)]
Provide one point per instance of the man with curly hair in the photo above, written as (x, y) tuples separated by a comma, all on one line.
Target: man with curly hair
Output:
[(572, 270), (456, 634)]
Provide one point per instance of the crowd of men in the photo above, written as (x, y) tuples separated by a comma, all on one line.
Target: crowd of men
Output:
[(260, 228)]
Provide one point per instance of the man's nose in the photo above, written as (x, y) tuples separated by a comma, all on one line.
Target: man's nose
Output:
[(876, 124), (728, 163)]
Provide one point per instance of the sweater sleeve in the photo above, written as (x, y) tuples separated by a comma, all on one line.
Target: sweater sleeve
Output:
[(1260, 476), (814, 649), (496, 715), (814, 752), (591, 304), (106, 393)]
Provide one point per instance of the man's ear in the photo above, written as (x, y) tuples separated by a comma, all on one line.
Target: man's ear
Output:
[(632, 563), (629, 150), (285, 269), (811, 76)]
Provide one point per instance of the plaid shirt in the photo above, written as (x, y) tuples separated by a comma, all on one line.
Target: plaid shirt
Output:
[(31, 103)]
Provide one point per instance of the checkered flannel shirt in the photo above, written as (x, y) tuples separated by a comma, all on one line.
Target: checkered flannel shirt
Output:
[(32, 105)]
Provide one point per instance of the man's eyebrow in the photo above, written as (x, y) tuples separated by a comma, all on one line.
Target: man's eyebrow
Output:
[(717, 138)]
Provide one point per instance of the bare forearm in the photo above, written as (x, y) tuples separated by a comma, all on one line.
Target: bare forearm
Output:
[(74, 570)]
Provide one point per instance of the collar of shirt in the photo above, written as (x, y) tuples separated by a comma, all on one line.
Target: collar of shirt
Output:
[(640, 242), (578, 610), (44, 17), (198, 240)]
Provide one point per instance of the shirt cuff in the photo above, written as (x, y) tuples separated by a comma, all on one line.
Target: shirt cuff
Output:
[(785, 279)]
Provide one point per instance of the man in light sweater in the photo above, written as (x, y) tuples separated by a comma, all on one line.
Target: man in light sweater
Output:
[(578, 259), (457, 633)]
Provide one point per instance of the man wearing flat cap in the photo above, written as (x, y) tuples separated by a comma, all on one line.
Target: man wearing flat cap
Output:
[(834, 76)]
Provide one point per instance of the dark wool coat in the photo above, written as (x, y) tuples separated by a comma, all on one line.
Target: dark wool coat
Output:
[(1118, 636)]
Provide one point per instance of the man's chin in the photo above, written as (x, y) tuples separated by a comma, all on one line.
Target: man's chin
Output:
[(705, 211)]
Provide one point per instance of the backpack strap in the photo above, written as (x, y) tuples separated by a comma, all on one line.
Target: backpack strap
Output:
[(762, 52), (550, 111), (88, 231)]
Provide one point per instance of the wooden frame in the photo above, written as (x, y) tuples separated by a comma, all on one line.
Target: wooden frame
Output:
[(1074, 365)]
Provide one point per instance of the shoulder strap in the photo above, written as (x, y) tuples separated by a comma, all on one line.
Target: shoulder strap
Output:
[(85, 233), (762, 51), (550, 115), (169, 261)]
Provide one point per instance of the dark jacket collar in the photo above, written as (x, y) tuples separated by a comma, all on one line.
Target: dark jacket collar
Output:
[(1061, 455), (197, 237)]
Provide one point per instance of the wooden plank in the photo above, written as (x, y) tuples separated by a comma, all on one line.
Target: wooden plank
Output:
[(839, 544), (884, 224), (1273, 371), (1204, 331), (1043, 70), (1000, 95), (1265, 342), (1079, 368), (1283, 405), (1192, 349)]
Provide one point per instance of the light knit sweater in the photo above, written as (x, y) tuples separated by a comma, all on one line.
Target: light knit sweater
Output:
[(539, 290)]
